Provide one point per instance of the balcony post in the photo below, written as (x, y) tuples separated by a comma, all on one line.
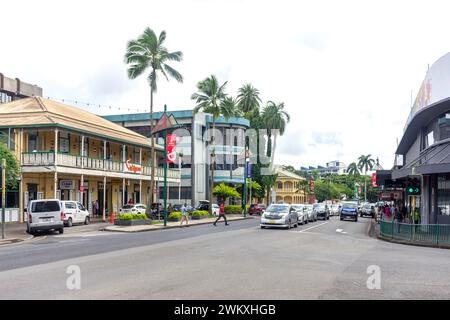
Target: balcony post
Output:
[(81, 193), (56, 149), (140, 191), (104, 198), (140, 156), (55, 184), (123, 192), (104, 154), (82, 152)]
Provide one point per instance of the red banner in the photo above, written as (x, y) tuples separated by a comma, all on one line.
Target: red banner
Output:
[(171, 148), (374, 179)]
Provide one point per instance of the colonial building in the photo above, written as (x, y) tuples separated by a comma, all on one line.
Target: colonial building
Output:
[(71, 154), (287, 187)]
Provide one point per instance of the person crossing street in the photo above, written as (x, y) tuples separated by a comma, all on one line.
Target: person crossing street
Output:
[(221, 214)]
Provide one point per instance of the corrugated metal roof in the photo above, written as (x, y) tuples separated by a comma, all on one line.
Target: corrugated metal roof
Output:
[(40, 112)]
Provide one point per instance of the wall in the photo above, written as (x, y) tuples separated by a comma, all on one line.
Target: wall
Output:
[(413, 151)]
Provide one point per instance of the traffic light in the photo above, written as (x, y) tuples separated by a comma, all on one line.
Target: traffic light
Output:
[(413, 187)]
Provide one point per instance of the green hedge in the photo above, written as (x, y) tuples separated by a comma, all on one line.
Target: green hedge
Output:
[(199, 213), (175, 215), (234, 209), (133, 216)]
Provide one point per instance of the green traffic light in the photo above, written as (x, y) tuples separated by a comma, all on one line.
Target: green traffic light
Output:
[(410, 189)]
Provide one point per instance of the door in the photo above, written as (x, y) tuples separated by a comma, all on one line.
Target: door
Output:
[(81, 212), (71, 210)]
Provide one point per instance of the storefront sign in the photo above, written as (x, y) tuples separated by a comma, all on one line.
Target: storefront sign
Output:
[(171, 148), (132, 167), (66, 184)]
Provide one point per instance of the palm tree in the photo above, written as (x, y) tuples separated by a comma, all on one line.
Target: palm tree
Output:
[(366, 163), (274, 118), (352, 169), (248, 99), (148, 52), (303, 187), (211, 98)]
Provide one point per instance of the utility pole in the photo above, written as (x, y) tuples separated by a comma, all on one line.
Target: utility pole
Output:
[(165, 172), (3, 196)]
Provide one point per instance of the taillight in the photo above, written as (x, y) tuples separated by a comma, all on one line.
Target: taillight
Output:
[(63, 215), (30, 219)]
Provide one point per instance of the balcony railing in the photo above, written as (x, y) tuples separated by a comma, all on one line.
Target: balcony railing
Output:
[(46, 158)]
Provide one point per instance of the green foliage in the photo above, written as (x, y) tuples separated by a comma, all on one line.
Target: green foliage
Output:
[(234, 209), (222, 191), (133, 216), (12, 167), (199, 213), (175, 215), (248, 99)]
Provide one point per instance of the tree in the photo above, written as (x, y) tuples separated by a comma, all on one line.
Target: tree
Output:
[(248, 99), (211, 98), (274, 118), (268, 182), (222, 192), (12, 167), (304, 187), (149, 52), (352, 169), (366, 163)]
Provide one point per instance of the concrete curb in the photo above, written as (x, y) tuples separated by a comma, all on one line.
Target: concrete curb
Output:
[(160, 227), (14, 240)]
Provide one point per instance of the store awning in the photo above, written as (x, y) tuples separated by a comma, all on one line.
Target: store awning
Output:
[(435, 159)]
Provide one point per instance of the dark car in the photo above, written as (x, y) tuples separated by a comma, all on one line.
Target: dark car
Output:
[(256, 209), (349, 211)]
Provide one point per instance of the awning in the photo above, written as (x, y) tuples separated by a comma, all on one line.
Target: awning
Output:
[(435, 159)]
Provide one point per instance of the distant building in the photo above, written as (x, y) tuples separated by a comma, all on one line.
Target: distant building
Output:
[(333, 167), (287, 187), (14, 89)]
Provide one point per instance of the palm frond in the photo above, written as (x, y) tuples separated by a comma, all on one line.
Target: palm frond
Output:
[(173, 73)]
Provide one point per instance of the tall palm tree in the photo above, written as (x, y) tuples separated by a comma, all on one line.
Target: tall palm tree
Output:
[(366, 163), (248, 99), (211, 98), (352, 169), (274, 117), (148, 52)]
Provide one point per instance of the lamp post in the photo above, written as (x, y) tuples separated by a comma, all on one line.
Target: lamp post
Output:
[(179, 185), (3, 196)]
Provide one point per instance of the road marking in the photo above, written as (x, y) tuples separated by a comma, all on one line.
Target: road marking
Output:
[(311, 227), (339, 230)]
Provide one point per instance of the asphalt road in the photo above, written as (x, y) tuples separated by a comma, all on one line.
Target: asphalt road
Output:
[(321, 260)]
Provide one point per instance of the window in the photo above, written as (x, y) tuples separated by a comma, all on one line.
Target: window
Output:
[(70, 205), (443, 195), (32, 141), (64, 142), (80, 207), (280, 185)]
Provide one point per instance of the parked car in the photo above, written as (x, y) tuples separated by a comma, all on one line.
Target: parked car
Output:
[(215, 209), (279, 216), (45, 214), (256, 209), (74, 212), (322, 210), (368, 210), (311, 214), (301, 213), (349, 211), (334, 210), (134, 208), (203, 205)]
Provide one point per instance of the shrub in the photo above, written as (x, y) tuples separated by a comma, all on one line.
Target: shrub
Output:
[(234, 209), (133, 216), (175, 215), (199, 213)]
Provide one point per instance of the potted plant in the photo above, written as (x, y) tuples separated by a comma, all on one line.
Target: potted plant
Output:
[(199, 214), (174, 216), (132, 219)]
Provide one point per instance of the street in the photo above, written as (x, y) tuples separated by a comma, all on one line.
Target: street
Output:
[(321, 260)]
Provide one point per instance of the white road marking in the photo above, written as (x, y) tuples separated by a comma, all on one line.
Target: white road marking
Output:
[(339, 230), (311, 227)]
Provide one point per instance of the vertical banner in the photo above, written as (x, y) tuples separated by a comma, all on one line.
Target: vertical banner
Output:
[(374, 179), (171, 148), (249, 169)]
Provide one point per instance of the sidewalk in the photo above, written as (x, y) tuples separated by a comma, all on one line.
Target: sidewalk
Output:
[(15, 232), (172, 225)]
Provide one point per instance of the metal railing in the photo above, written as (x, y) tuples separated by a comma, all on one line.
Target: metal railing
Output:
[(47, 158), (435, 234)]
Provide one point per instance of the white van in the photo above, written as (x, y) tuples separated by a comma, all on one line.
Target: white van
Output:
[(74, 212), (45, 214)]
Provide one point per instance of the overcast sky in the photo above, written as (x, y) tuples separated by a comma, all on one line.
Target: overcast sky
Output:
[(344, 69)]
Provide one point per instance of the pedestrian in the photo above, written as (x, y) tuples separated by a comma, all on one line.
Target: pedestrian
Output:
[(221, 214), (184, 213), (397, 217), (387, 211), (97, 208)]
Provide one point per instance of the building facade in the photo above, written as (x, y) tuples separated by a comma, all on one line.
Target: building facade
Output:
[(287, 188), (424, 149), (70, 154), (194, 147), (14, 89), (332, 167)]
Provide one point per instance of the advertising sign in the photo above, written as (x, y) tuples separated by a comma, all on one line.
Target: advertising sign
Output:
[(66, 184), (171, 148), (249, 169), (374, 179), (132, 167)]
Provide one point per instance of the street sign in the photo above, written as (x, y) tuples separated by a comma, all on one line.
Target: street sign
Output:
[(81, 188), (171, 148)]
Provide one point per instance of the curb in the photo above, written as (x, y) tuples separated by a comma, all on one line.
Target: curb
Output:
[(434, 246), (14, 240), (171, 227)]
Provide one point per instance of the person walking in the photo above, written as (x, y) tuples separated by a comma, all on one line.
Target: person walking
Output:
[(387, 211), (398, 217), (221, 214), (97, 208), (184, 214)]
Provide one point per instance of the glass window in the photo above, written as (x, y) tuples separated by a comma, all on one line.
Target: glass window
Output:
[(443, 195), (64, 142), (32, 141)]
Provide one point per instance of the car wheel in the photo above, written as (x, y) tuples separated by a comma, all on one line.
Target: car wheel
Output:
[(61, 230), (342, 218), (87, 220), (69, 222), (262, 227)]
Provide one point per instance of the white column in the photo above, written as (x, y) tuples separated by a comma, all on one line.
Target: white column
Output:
[(140, 191), (81, 193), (104, 198), (55, 182), (179, 185), (82, 152), (140, 156), (123, 192), (124, 155)]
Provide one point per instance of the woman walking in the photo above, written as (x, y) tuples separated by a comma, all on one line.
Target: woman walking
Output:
[(184, 215)]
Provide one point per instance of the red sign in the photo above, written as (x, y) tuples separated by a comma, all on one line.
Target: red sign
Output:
[(132, 167), (374, 179), (81, 188), (171, 148)]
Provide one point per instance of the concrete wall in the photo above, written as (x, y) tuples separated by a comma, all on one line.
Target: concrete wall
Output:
[(17, 87), (413, 151)]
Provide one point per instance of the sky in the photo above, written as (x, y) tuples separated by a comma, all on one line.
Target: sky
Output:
[(345, 70)]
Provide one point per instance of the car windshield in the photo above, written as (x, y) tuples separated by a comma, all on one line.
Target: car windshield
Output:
[(128, 206), (319, 206), (278, 208), (297, 207), (350, 205)]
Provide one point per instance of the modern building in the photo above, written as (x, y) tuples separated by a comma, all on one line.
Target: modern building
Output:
[(287, 187), (424, 149), (14, 89), (71, 154), (194, 143), (333, 167)]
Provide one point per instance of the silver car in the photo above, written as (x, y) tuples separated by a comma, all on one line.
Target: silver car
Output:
[(311, 214), (279, 216), (301, 212)]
